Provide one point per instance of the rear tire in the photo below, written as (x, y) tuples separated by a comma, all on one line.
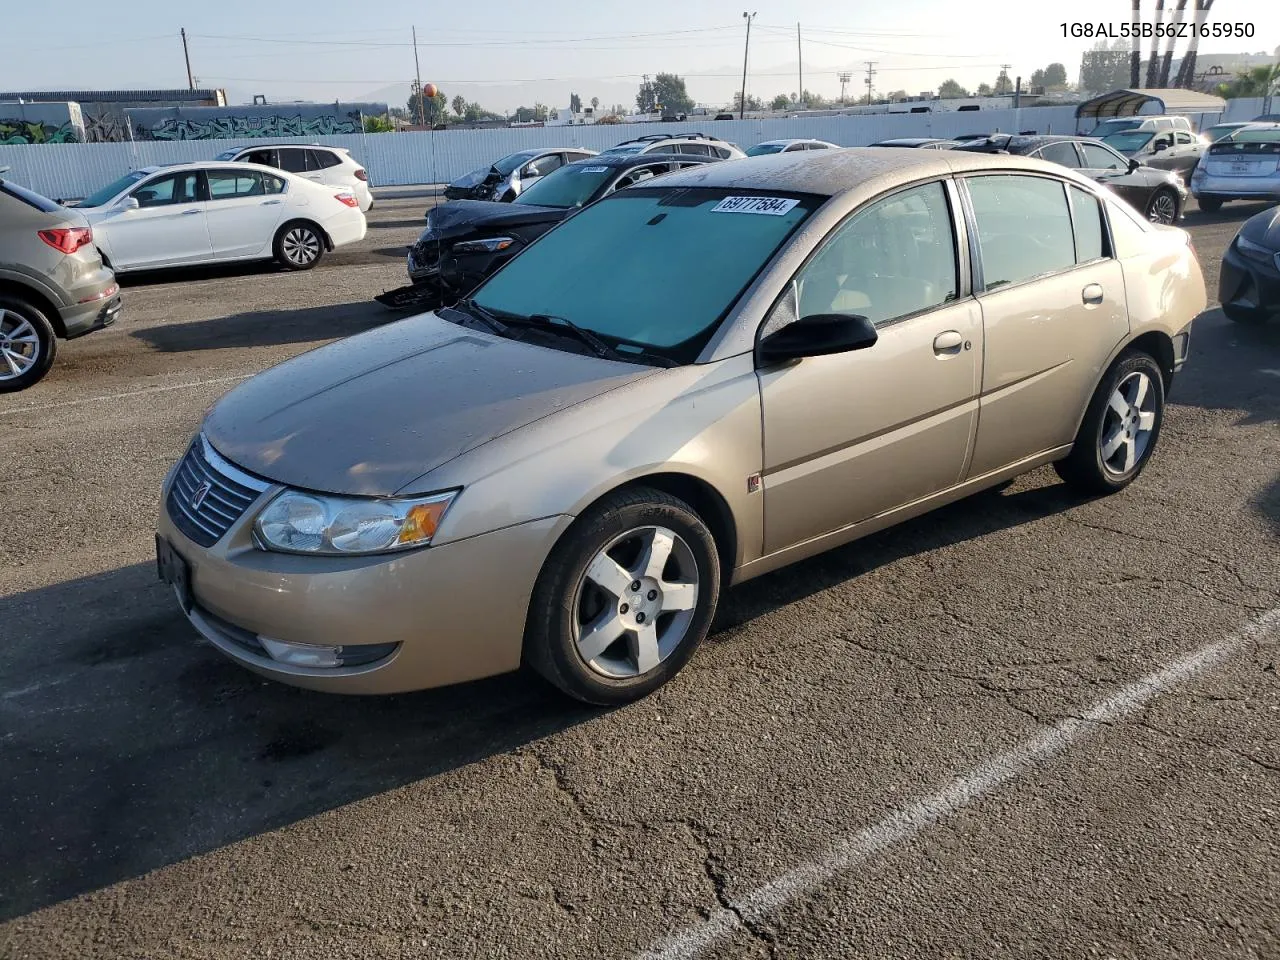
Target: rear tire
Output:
[(624, 599), (1210, 204), (1120, 428), (299, 245), (28, 344)]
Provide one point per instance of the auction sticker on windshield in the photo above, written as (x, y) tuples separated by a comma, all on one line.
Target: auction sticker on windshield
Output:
[(595, 169), (770, 206)]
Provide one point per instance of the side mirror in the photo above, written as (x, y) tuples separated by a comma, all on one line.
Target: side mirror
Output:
[(817, 335), (129, 203), (1134, 165)]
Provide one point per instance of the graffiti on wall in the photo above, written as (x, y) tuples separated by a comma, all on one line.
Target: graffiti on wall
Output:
[(220, 128), (105, 127), (15, 131)]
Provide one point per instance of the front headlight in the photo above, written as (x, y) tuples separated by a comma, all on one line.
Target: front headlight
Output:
[(492, 245), (297, 522)]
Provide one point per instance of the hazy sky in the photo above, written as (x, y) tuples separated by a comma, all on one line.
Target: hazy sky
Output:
[(507, 52)]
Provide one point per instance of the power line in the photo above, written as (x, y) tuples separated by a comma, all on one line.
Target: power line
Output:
[(457, 43)]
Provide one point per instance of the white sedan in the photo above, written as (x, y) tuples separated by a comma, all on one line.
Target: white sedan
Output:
[(193, 213), (790, 146)]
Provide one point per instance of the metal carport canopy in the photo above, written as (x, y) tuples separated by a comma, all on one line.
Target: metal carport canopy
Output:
[(1127, 103)]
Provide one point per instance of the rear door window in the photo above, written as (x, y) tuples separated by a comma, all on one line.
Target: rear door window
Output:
[(322, 159), (230, 184), (293, 160), (1024, 227), (1100, 158), (265, 157), (1184, 138), (1063, 152)]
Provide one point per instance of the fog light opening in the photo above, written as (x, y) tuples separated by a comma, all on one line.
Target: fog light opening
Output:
[(320, 655)]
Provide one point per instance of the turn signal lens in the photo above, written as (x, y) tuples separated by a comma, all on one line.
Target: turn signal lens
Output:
[(421, 522)]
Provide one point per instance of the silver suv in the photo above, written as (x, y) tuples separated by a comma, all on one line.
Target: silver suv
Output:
[(685, 144), (53, 283)]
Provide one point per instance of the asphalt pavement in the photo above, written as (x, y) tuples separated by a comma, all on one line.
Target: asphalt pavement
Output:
[(1026, 725)]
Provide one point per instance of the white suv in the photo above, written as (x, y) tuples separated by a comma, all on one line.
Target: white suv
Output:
[(328, 165), (686, 144)]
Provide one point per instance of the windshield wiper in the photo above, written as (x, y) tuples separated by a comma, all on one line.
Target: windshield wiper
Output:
[(471, 308)]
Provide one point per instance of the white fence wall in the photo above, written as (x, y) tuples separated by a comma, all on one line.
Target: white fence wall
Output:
[(71, 170)]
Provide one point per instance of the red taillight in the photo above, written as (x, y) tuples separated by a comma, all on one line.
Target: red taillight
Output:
[(68, 239), (361, 175), (347, 198)]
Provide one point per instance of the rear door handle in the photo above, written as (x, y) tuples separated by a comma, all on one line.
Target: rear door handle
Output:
[(1092, 294), (192, 211), (947, 343), (267, 203)]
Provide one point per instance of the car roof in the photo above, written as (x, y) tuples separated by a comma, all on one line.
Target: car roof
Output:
[(834, 172), (659, 137), (1020, 143), (269, 143), (622, 160)]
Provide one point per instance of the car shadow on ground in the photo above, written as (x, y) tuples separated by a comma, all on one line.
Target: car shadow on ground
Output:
[(129, 745), (420, 222), (268, 327), (397, 253), (1237, 211), (249, 268)]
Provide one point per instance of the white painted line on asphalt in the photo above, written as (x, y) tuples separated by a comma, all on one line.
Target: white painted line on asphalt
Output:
[(907, 822), (1272, 373), (121, 396)]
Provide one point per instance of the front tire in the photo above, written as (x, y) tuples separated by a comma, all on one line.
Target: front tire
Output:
[(1120, 428), (624, 599), (1163, 207), (27, 344), (299, 245)]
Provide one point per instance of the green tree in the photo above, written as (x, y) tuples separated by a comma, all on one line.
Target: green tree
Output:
[(780, 102), (1037, 78), (575, 103), (595, 104), (949, 90), (1055, 76), (897, 95), (984, 90), (524, 114), (666, 92), (433, 108), (378, 125), (1105, 67), (460, 105), (1004, 86), (1256, 82), (753, 102)]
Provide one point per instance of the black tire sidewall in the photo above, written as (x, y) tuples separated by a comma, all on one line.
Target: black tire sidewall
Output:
[(278, 246), (1209, 204), (549, 644), (1151, 204), (1091, 429), (44, 333)]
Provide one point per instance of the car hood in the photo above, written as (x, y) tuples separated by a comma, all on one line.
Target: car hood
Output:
[(369, 414), (463, 216), (1264, 228), (472, 179)]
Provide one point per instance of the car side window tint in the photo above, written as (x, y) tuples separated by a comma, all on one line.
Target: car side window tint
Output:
[(694, 149), (322, 159), (171, 189), (272, 184), (721, 152), (1024, 227), (891, 259), (293, 160), (1086, 216), (230, 184), (1100, 158), (544, 165), (265, 157), (1063, 152), (1184, 138)]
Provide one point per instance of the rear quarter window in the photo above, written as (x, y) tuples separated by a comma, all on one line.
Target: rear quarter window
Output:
[(1128, 232), (29, 197)]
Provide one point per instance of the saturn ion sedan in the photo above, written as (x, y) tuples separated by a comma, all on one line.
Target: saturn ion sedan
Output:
[(686, 385), (214, 212)]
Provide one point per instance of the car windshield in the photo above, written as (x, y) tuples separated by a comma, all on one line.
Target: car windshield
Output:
[(227, 155), (109, 191), (570, 186), (762, 148), (1130, 141), (508, 164), (667, 264), (624, 151)]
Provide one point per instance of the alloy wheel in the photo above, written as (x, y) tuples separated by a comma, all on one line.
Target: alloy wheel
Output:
[(1163, 209), (635, 602), (19, 345), (1128, 424), (301, 246)]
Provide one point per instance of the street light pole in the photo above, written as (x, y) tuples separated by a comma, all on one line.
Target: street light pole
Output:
[(742, 102)]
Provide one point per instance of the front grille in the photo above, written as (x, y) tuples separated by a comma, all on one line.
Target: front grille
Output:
[(426, 253), (209, 494)]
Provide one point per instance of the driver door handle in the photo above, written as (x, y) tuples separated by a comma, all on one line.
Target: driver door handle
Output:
[(193, 210), (947, 343), (267, 203), (1092, 294)]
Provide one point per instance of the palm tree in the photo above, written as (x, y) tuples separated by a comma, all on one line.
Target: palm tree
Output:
[(1153, 61), (1256, 82), (1135, 54), (1167, 63), (1187, 72)]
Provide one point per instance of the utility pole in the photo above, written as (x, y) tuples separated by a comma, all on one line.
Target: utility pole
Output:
[(742, 102), (417, 73), (800, 62), (1004, 75), (844, 77), (186, 55), (871, 72)]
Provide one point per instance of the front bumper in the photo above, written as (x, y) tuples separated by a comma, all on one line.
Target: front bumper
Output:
[(87, 317), (1249, 286), (457, 611), (1236, 188)]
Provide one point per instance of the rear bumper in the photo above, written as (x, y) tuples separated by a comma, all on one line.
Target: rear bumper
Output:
[(346, 230), (1236, 188), (1249, 287), (87, 317)]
